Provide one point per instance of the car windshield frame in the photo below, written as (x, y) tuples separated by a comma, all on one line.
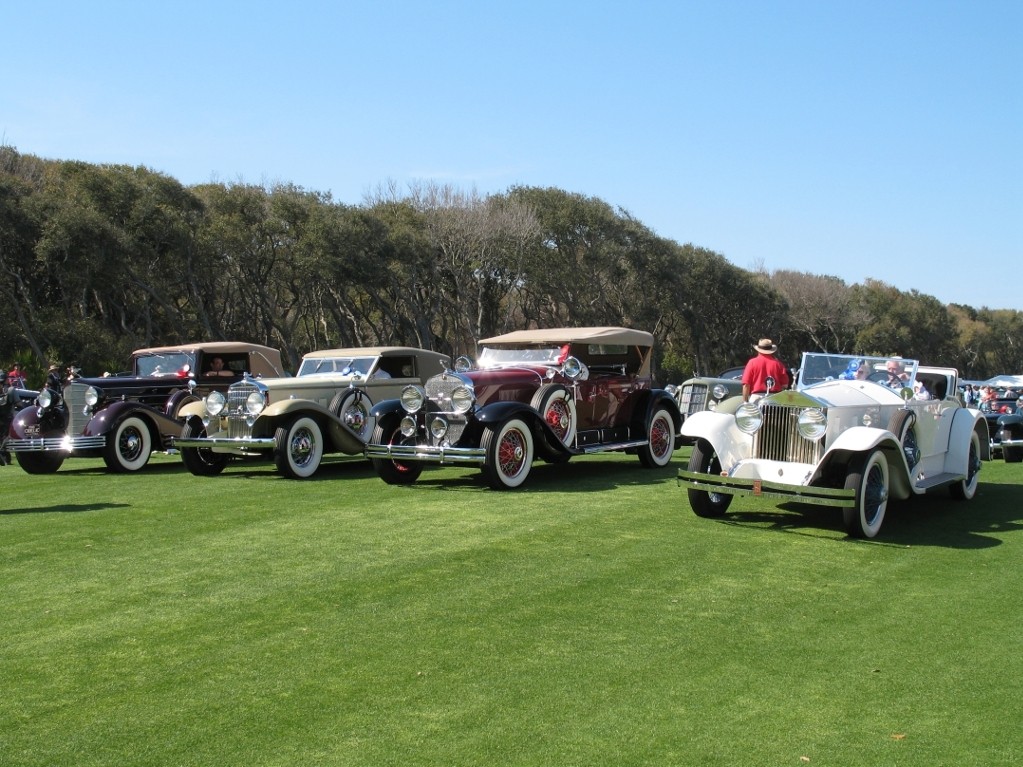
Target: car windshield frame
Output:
[(819, 367), (346, 366)]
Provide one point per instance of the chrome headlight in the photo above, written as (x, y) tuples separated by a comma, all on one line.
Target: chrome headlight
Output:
[(463, 364), (462, 399), (720, 391), (255, 403), (748, 418), (215, 402), (412, 398), (45, 398), (438, 428), (407, 426), (812, 424), (572, 367), (92, 396)]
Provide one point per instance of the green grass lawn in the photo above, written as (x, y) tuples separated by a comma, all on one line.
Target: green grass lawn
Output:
[(588, 619)]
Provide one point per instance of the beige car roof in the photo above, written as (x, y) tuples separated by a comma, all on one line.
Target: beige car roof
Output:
[(272, 357), (601, 335), (371, 351)]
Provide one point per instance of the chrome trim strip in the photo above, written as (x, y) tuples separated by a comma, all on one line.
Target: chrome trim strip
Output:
[(51, 444)]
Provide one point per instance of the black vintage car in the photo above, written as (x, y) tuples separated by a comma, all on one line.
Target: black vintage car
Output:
[(994, 412), (1008, 433), (123, 418)]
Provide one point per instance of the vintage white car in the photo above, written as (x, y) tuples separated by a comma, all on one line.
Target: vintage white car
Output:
[(324, 408), (853, 433)]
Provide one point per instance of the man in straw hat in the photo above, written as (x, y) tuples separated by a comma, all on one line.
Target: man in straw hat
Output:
[(761, 367)]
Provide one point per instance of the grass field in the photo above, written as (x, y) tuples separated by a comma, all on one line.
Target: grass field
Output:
[(587, 619)]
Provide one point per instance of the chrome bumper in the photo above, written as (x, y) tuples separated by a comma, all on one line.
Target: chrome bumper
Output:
[(819, 496), (471, 455), (56, 444), (226, 443)]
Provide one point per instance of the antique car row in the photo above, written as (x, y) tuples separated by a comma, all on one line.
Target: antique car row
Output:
[(848, 433)]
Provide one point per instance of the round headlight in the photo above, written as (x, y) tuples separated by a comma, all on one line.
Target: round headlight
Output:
[(812, 424), (215, 402), (45, 398), (255, 403), (463, 364), (412, 398), (748, 418), (92, 396), (407, 426), (438, 428), (462, 398), (720, 391), (572, 367)]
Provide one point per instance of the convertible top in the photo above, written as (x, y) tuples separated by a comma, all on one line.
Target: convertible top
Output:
[(601, 335)]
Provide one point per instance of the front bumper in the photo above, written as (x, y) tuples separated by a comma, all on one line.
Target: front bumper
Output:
[(56, 444), (430, 453), (762, 488)]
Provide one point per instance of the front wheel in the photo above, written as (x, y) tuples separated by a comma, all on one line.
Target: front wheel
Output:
[(391, 471), (966, 488), (660, 441), (201, 461), (508, 452), (128, 446), (870, 483), (298, 448), (704, 460), (40, 463)]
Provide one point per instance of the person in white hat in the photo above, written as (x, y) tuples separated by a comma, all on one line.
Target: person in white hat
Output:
[(761, 367)]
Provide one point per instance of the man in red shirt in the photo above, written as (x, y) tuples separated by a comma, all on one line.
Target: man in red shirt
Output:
[(759, 368)]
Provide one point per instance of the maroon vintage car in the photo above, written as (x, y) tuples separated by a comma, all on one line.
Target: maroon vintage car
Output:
[(549, 394), (123, 418)]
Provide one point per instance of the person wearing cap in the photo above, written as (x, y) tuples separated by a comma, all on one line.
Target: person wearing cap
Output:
[(761, 367)]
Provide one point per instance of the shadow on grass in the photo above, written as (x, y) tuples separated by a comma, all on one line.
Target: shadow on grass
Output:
[(66, 508), (934, 519)]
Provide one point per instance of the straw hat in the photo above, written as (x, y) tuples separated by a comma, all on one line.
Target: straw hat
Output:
[(766, 346)]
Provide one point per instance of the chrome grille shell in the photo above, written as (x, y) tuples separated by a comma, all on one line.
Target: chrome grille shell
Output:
[(237, 416), (692, 398), (779, 438), (74, 399), (438, 391)]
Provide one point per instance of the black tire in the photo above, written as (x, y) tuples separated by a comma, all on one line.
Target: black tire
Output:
[(556, 407), (704, 460), (298, 447), (660, 441), (390, 471), (40, 463), (870, 480), (202, 462), (508, 453), (352, 407), (966, 488), (129, 445), (902, 426), (1012, 454)]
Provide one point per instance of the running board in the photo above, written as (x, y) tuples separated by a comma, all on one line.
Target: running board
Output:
[(611, 446), (936, 480)]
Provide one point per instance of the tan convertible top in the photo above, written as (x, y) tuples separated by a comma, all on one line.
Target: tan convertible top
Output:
[(371, 351), (608, 335)]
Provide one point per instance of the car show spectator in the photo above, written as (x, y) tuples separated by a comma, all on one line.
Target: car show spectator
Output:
[(761, 367)]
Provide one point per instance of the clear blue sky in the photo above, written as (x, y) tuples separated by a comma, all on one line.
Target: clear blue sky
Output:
[(858, 139)]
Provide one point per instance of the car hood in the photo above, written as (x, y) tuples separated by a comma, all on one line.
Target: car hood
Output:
[(839, 394)]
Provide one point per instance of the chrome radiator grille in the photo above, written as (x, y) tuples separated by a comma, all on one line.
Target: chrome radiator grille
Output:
[(779, 439), (693, 398), (439, 389), (237, 425), (74, 400)]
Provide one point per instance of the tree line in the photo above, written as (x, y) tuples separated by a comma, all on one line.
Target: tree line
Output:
[(99, 260)]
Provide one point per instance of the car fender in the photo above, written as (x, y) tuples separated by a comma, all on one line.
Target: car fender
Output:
[(1012, 424), (660, 398), (386, 407), (193, 409), (160, 425), (27, 423), (337, 437), (719, 429), (860, 440), (964, 423)]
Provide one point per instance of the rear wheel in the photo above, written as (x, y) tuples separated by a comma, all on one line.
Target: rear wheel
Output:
[(508, 453), (298, 448), (966, 488), (660, 442), (201, 461), (870, 481), (128, 446), (704, 460), (391, 471)]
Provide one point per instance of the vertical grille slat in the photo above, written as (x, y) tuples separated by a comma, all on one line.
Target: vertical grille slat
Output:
[(693, 398), (779, 438), (74, 400), (439, 389), (237, 426)]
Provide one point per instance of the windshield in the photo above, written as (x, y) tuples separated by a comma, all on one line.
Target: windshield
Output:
[(336, 366), (491, 357), (894, 372), (164, 364)]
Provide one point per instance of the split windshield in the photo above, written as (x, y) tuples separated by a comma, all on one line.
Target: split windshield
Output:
[(336, 366), (894, 372)]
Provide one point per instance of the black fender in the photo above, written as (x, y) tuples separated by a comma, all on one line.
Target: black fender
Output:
[(546, 442), (386, 407), (654, 400), (1011, 424), (32, 422)]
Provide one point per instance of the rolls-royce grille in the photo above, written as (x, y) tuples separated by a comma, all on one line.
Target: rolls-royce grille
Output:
[(779, 439), (237, 425), (693, 398)]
